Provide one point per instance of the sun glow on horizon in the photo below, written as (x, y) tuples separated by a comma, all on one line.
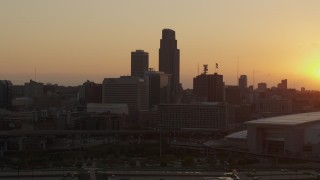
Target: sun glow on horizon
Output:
[(317, 73), (68, 45), (313, 70)]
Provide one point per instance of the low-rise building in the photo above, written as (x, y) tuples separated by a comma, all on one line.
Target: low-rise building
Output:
[(104, 107), (274, 106), (213, 116), (295, 136)]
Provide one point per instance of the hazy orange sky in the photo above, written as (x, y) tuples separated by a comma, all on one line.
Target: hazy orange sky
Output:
[(68, 42)]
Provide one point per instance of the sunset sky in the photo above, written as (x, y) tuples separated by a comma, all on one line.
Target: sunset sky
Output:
[(70, 41)]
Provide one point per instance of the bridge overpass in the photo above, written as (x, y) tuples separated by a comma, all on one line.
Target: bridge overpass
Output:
[(20, 137), (18, 133)]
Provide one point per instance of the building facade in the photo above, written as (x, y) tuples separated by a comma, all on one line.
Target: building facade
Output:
[(233, 95), (33, 89), (5, 94), (243, 82), (291, 135), (210, 87), (158, 88), (283, 85), (213, 116), (274, 106), (169, 61), (139, 63), (125, 90), (90, 92), (262, 87)]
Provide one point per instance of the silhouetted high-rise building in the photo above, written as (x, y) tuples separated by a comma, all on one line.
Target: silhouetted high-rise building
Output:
[(139, 63), (18, 91), (243, 86), (33, 89), (283, 85), (5, 94), (243, 82), (210, 87), (158, 87), (233, 95), (262, 87), (169, 61), (91, 92), (125, 90)]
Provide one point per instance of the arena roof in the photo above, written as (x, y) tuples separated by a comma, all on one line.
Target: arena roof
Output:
[(288, 120), (242, 135)]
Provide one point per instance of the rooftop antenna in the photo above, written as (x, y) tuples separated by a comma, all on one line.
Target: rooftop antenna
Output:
[(205, 68), (217, 68), (238, 70), (35, 74)]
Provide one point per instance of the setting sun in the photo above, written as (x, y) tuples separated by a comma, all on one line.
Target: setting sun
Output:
[(313, 71), (317, 73)]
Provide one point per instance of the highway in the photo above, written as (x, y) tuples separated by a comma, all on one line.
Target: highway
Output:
[(97, 174), (39, 174), (19, 133)]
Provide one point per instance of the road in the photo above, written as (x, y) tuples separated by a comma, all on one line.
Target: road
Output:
[(94, 174), (38, 174)]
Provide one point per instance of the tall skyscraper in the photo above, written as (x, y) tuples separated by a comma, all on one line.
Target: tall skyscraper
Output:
[(243, 86), (210, 87), (243, 82), (5, 94), (139, 63), (169, 61)]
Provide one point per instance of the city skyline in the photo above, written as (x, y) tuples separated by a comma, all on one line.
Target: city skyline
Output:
[(67, 43)]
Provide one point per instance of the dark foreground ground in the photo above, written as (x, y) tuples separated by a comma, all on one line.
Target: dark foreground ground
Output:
[(156, 174)]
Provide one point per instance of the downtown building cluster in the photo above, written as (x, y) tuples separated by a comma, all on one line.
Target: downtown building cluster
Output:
[(155, 100), (149, 99), (143, 99)]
